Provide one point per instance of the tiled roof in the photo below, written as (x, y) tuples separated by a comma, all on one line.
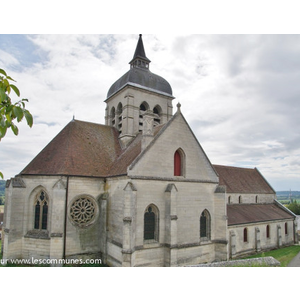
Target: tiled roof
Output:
[(81, 148), (86, 149), (253, 213), (242, 180), (126, 157)]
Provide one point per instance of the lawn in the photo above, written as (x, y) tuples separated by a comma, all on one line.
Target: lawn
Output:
[(283, 255)]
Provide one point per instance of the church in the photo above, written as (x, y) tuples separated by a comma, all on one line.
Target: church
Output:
[(139, 190)]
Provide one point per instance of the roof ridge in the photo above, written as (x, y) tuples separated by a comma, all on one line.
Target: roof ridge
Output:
[(234, 167)]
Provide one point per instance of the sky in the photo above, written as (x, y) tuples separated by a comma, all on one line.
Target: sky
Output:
[(239, 92), (235, 75), (234, 67)]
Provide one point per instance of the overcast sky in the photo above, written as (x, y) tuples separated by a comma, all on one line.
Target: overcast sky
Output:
[(239, 93)]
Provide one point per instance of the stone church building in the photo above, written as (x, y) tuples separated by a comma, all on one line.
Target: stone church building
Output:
[(139, 190)]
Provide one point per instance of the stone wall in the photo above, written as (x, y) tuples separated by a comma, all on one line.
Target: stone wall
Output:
[(252, 262)]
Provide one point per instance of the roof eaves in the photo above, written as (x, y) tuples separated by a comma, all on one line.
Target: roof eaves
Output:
[(139, 86)]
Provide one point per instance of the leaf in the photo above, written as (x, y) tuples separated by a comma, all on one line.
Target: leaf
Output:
[(3, 72), (18, 111), (1, 175), (2, 95), (14, 128), (8, 77), (2, 131), (16, 90), (28, 117)]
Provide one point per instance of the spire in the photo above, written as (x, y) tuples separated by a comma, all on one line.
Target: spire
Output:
[(139, 58)]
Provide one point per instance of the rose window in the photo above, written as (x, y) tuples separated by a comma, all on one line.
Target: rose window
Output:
[(83, 211)]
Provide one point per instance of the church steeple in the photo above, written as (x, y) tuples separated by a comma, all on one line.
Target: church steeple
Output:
[(138, 96), (139, 58)]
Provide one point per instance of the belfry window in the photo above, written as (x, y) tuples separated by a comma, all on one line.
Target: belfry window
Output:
[(41, 211), (119, 117), (157, 113), (143, 108), (205, 225), (179, 163), (113, 116), (151, 223)]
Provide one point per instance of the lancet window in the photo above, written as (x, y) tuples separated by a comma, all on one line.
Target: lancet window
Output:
[(41, 211)]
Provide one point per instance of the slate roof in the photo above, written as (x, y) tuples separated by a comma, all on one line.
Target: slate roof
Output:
[(239, 214), (141, 77), (140, 51), (243, 180)]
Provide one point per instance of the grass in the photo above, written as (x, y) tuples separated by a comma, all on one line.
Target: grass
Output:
[(283, 255)]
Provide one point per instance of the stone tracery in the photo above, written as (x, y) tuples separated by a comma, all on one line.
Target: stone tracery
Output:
[(83, 211)]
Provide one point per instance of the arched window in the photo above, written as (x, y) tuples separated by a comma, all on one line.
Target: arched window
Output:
[(245, 235), (119, 117), (286, 228), (256, 199), (113, 116), (151, 223), (41, 211), (179, 163), (268, 231), (143, 108), (229, 199), (240, 199), (157, 112), (205, 225)]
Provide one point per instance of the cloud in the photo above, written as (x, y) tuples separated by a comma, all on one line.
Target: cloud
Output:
[(239, 93)]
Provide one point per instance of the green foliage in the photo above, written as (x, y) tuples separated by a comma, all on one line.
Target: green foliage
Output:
[(2, 187), (283, 255), (294, 207), (10, 112)]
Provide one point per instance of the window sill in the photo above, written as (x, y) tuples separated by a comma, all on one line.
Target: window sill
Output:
[(150, 244), (204, 241), (37, 234)]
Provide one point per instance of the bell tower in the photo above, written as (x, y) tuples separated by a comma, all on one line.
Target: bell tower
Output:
[(138, 91)]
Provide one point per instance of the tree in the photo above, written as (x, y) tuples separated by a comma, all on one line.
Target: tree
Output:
[(294, 207), (9, 112)]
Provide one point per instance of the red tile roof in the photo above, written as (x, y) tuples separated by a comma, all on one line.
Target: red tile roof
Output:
[(243, 180), (253, 213)]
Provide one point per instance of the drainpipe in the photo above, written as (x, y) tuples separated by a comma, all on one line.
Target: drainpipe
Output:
[(65, 220)]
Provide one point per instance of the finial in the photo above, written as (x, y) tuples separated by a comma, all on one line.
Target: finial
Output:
[(140, 35), (178, 106)]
